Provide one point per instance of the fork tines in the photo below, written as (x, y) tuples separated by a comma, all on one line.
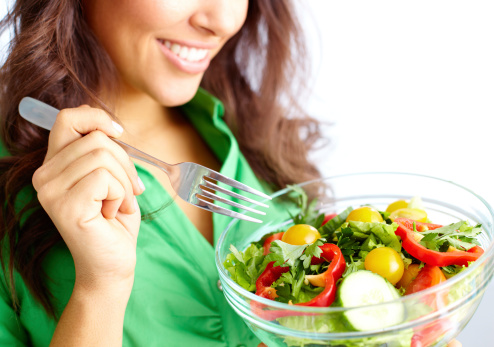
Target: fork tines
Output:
[(217, 209), (209, 188)]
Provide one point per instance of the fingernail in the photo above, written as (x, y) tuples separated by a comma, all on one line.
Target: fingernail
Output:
[(141, 184), (117, 127)]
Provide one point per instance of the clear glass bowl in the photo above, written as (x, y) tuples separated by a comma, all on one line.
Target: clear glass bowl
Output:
[(445, 202)]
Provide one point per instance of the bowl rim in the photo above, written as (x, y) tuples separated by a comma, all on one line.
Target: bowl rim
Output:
[(488, 253)]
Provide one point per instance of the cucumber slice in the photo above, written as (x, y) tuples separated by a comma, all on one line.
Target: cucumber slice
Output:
[(363, 288)]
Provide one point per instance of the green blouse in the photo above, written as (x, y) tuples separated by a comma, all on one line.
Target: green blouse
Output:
[(176, 299)]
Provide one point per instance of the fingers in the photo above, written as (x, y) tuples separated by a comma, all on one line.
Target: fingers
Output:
[(79, 144), (96, 160), (72, 124), (96, 142), (84, 202), (104, 193)]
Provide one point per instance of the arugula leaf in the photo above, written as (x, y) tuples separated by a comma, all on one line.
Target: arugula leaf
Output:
[(431, 241), (445, 230), (461, 243), (429, 237), (460, 235)]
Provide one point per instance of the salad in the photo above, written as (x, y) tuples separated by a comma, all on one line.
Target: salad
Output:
[(354, 258)]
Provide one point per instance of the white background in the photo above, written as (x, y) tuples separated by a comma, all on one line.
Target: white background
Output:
[(407, 86)]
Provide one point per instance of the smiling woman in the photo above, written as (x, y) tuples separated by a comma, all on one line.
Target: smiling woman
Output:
[(79, 264), (155, 45)]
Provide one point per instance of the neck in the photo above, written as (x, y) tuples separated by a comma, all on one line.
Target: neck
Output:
[(141, 115)]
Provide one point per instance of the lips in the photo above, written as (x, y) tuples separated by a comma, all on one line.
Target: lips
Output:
[(187, 58), (187, 53)]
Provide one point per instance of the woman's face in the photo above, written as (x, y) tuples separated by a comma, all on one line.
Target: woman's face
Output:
[(163, 47)]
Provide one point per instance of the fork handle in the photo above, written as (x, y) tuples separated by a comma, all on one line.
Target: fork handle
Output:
[(44, 116)]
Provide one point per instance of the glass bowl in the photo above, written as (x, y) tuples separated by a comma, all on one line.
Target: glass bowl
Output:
[(421, 325)]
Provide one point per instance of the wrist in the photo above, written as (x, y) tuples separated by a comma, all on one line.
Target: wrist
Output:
[(94, 315), (112, 292)]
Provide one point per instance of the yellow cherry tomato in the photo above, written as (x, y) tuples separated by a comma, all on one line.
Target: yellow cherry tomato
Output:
[(365, 214), (386, 262), (410, 213), (396, 205), (301, 234)]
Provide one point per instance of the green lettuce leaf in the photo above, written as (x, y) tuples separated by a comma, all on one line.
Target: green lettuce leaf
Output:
[(327, 230), (384, 232), (245, 267)]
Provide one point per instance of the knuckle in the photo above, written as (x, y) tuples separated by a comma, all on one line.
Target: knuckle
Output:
[(41, 176), (64, 116), (98, 137), (102, 155), (101, 174), (45, 195), (37, 178)]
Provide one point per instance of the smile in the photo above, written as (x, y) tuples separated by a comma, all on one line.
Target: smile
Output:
[(184, 52), (186, 58)]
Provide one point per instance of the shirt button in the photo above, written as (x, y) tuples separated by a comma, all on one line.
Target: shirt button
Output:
[(220, 287)]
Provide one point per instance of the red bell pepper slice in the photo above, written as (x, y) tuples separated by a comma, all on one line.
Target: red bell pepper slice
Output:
[(430, 276), (428, 256), (267, 278), (267, 243), (330, 253)]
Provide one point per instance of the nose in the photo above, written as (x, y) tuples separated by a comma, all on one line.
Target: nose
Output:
[(221, 18)]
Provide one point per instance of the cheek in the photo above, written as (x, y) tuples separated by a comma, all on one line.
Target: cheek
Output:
[(127, 28)]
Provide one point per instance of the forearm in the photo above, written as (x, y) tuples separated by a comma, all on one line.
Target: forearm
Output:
[(92, 318)]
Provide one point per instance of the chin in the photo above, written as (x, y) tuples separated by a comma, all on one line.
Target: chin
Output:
[(175, 94)]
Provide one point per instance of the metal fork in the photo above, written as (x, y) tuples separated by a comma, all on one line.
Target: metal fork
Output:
[(190, 181)]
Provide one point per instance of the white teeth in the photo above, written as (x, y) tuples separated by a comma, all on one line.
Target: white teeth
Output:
[(184, 52), (201, 53), (193, 54), (187, 53), (175, 48)]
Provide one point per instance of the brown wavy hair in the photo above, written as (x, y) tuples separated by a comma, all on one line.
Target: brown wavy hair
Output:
[(54, 57)]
